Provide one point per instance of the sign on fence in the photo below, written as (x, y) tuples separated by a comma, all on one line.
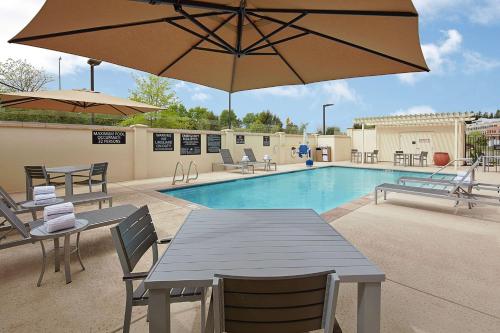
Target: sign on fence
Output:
[(163, 141), (213, 143), (266, 140), (240, 139), (108, 138), (190, 144)]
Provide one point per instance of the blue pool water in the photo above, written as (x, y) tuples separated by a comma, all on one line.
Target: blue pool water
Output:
[(321, 189)]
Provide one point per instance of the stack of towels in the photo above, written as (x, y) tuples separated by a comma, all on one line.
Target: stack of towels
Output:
[(59, 217), (44, 195)]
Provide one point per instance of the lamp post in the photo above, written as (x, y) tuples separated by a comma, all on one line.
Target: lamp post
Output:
[(92, 63), (324, 117), (60, 58)]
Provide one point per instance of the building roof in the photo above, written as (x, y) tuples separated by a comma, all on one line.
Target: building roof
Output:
[(417, 119)]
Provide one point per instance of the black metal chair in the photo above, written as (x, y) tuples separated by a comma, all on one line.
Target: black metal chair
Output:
[(133, 237), (38, 172), (98, 175), (422, 158)]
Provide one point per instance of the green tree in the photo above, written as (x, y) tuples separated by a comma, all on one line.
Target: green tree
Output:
[(249, 119), (20, 75), (202, 119), (224, 119), (269, 119), (331, 130), (497, 114), (153, 90)]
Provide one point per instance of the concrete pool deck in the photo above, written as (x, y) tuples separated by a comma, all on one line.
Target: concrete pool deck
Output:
[(441, 264)]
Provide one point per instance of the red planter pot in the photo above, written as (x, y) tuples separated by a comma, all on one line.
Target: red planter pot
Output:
[(441, 158)]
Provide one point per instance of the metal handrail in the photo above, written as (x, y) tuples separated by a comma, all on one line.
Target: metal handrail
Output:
[(450, 163), (175, 179), (189, 171)]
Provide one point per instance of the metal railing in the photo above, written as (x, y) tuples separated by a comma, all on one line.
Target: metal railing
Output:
[(192, 164), (175, 179)]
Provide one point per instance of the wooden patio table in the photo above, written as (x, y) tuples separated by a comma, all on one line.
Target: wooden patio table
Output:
[(261, 243)]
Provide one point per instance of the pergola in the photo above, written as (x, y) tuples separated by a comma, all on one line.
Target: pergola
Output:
[(430, 119)]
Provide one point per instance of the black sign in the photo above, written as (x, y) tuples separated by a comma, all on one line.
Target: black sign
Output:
[(190, 144), (108, 138), (240, 139), (213, 143), (266, 140), (163, 141)]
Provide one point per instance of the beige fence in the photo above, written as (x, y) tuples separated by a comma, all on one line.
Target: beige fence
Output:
[(60, 144)]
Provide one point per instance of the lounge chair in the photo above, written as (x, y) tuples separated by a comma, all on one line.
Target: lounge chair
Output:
[(279, 304), (97, 218), (456, 193), (38, 172), (99, 170), (253, 160), (227, 161), (133, 237)]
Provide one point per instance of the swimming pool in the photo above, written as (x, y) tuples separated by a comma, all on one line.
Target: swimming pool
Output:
[(321, 189)]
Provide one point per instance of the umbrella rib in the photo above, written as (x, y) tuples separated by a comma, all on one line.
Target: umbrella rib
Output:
[(283, 26), (276, 50), (193, 47), (302, 34), (203, 38), (341, 41), (114, 107), (136, 110), (18, 101), (107, 27), (211, 50)]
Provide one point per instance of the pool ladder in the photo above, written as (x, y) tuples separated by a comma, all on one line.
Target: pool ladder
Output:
[(180, 167)]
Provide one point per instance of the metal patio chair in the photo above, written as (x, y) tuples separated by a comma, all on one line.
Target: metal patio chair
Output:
[(96, 170), (279, 304), (38, 172), (399, 157), (421, 158), (373, 156), (355, 156), (133, 237)]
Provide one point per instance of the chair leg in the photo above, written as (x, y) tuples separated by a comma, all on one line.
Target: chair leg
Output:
[(203, 310), (78, 251), (128, 307), (44, 261)]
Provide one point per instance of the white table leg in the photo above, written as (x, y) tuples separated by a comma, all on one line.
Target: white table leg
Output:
[(159, 310), (68, 184), (369, 302)]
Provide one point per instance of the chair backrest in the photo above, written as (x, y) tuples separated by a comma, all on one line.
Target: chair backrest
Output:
[(35, 171), (354, 151), (226, 156), (250, 154), (99, 169), (375, 152), (399, 152), (133, 237), (424, 153), (7, 198), (6, 212), (283, 304)]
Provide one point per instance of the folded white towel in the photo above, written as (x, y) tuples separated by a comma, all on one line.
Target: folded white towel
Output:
[(461, 177), (60, 223), (40, 199), (55, 211), (44, 190)]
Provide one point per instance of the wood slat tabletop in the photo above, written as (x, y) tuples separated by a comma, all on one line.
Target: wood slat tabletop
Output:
[(261, 243)]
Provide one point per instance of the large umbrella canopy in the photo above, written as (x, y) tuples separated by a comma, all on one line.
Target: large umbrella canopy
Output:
[(236, 45), (74, 101)]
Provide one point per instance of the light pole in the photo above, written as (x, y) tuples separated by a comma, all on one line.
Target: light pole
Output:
[(324, 117), (92, 63), (60, 58)]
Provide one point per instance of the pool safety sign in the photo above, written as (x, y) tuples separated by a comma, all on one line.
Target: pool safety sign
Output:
[(240, 139), (266, 140), (190, 144), (213, 143), (163, 141), (108, 138)]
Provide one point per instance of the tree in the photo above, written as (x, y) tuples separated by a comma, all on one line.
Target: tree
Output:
[(202, 119), (249, 119), (332, 130), (153, 90), (19, 75), (224, 119), (269, 119), (497, 114)]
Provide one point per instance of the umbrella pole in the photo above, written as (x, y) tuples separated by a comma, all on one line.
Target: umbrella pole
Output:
[(229, 111)]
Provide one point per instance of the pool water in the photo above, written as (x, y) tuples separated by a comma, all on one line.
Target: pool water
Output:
[(321, 189)]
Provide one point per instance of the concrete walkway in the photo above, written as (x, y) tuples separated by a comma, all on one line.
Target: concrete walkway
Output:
[(441, 263)]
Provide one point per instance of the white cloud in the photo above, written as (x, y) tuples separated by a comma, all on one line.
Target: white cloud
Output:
[(419, 109), (284, 91), (340, 91), (200, 96), (475, 62), (437, 55), (487, 13)]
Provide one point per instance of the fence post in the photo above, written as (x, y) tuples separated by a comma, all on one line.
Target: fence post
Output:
[(228, 139), (140, 152)]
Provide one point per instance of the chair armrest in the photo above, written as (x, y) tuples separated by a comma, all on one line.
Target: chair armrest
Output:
[(135, 276), (165, 240)]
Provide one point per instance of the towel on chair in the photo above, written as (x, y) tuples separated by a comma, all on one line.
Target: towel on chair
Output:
[(61, 222), (43, 190), (55, 211), (461, 177), (43, 199)]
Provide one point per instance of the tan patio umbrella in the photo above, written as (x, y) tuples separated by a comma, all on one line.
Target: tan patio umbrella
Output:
[(236, 45), (84, 101)]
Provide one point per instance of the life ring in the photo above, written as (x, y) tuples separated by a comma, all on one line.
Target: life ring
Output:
[(294, 152)]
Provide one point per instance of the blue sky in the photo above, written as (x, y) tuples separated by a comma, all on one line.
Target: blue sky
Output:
[(460, 39)]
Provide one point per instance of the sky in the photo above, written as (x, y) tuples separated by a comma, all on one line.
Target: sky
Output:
[(460, 40)]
